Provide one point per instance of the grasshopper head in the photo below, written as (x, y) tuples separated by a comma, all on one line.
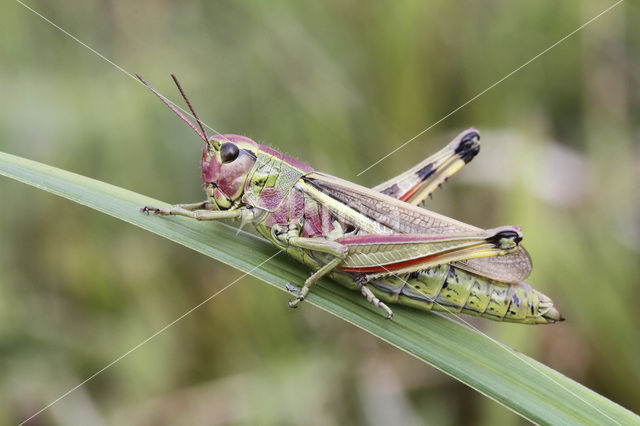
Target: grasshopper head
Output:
[(226, 162)]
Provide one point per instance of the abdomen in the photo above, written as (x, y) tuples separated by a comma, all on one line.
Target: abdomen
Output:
[(450, 289)]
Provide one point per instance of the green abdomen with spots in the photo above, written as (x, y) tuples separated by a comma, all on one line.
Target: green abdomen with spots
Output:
[(450, 289)]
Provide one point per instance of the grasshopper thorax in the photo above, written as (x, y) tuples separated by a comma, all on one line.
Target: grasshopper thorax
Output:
[(226, 163)]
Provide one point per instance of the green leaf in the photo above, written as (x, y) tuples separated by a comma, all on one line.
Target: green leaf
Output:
[(521, 384)]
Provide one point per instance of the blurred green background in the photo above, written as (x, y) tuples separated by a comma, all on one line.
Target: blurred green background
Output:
[(337, 84)]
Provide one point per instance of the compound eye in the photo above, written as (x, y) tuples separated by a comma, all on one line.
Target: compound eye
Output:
[(228, 152)]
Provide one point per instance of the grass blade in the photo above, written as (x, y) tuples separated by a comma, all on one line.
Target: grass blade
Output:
[(523, 385)]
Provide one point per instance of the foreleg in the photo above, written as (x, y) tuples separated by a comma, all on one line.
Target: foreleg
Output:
[(198, 211)]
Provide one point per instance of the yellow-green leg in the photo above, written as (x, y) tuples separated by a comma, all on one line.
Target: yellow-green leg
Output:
[(198, 211), (366, 292), (312, 279), (316, 244)]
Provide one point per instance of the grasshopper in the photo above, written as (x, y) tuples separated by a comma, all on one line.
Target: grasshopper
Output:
[(379, 241)]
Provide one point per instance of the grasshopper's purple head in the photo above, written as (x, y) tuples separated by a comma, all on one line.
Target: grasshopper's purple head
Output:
[(226, 163)]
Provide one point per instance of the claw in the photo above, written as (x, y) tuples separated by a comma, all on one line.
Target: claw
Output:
[(294, 303), (292, 288), (147, 209), (155, 210)]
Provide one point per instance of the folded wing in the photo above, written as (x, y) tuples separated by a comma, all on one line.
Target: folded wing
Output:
[(403, 218)]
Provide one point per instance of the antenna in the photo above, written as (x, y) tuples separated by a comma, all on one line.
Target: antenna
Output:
[(174, 109), (193, 111)]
